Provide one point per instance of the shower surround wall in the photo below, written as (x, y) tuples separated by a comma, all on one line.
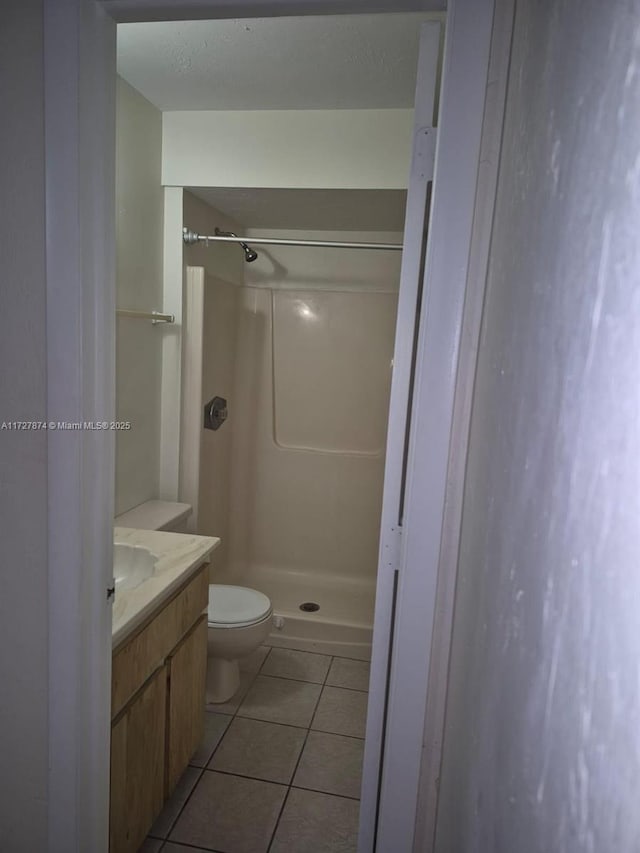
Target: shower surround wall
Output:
[(213, 277), (307, 426)]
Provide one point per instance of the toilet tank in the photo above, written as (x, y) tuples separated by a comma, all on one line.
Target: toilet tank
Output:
[(156, 515)]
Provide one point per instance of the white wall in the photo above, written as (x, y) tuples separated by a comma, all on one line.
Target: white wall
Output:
[(139, 231), (353, 149), (542, 740), (173, 297), (23, 455)]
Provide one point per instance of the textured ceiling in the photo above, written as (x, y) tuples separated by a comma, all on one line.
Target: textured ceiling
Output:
[(328, 62), (322, 210)]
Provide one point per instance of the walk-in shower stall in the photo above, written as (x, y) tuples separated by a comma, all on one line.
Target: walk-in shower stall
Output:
[(298, 344)]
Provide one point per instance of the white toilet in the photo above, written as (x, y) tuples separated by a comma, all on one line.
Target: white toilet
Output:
[(239, 618), (239, 621)]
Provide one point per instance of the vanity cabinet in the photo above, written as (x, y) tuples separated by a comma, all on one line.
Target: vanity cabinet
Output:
[(157, 710)]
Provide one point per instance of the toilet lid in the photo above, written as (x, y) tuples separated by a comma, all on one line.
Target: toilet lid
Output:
[(236, 605)]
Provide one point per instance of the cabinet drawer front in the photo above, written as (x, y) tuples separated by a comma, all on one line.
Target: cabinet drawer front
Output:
[(146, 650)]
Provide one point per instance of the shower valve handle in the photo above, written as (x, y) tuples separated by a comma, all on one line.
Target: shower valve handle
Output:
[(215, 413)]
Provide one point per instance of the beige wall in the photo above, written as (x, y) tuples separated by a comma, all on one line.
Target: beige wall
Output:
[(308, 510), (23, 455), (331, 364), (286, 267), (139, 204), (221, 310), (307, 466)]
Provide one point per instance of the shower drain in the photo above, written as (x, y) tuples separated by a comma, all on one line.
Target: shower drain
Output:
[(309, 607)]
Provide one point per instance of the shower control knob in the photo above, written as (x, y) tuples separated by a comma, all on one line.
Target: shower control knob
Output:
[(215, 413)]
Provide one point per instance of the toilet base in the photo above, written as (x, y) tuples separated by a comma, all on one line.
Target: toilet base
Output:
[(223, 679)]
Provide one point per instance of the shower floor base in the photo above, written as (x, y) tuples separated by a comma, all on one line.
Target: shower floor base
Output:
[(342, 624)]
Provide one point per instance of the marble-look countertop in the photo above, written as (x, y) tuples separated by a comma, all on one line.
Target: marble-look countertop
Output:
[(179, 555)]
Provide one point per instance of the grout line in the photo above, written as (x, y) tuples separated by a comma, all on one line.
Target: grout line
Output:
[(291, 726), (302, 652), (271, 722), (290, 785), (324, 654), (235, 713), (277, 823), (357, 660), (209, 709), (327, 793), (202, 769), (275, 722), (342, 687), (311, 723), (246, 776), (177, 817), (290, 678), (295, 769), (190, 846), (336, 734), (324, 684), (264, 659)]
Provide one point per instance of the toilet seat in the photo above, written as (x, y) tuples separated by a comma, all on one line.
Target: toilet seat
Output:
[(236, 606)]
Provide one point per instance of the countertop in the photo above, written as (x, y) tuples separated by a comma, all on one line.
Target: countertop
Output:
[(154, 515), (179, 556)]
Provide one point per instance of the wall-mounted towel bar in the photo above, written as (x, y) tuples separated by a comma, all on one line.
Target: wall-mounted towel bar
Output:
[(155, 316)]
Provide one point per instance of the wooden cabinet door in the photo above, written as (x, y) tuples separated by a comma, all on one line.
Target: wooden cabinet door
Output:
[(187, 676), (137, 765)]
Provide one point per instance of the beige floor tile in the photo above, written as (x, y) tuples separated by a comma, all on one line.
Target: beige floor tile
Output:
[(170, 847), (280, 700), (253, 662), (230, 813), (331, 763), (317, 823), (303, 666), (341, 712), (266, 751), (230, 707), (174, 804), (151, 845), (215, 726), (353, 674)]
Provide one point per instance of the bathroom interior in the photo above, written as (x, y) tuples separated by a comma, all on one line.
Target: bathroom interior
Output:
[(252, 385)]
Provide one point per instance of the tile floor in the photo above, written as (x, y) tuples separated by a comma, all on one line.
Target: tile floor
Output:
[(279, 767)]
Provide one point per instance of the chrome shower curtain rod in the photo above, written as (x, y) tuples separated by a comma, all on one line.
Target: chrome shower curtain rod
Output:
[(190, 237)]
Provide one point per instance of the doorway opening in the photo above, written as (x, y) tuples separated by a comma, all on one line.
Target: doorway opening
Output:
[(299, 343)]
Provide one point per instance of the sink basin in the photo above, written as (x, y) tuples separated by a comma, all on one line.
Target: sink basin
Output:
[(132, 564)]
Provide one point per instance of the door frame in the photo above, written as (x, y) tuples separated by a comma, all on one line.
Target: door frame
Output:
[(79, 38), (410, 643), (411, 292)]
